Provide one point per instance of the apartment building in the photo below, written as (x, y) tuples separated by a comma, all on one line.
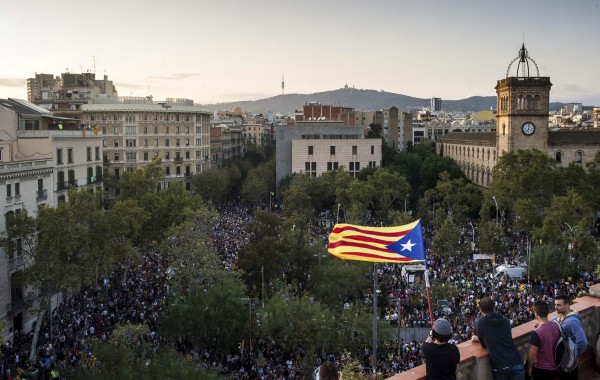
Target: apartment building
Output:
[(41, 156), (315, 149), (135, 134)]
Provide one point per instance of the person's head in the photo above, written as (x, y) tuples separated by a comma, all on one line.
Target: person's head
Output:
[(328, 371), (562, 303), (541, 308), (486, 304), (441, 331)]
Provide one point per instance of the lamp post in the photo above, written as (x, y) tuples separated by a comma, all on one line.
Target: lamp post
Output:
[(473, 242), (405, 203), (270, 195), (571, 245), (494, 198), (337, 216), (309, 214), (528, 259)]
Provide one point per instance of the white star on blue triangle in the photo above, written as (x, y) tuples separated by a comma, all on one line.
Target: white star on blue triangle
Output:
[(410, 245)]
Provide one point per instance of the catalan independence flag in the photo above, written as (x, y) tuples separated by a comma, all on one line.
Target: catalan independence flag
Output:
[(402, 244)]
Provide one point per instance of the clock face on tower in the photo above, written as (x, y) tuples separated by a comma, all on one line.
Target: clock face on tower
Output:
[(528, 128)]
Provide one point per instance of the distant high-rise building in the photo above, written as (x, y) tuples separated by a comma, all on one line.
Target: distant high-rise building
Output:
[(436, 104)]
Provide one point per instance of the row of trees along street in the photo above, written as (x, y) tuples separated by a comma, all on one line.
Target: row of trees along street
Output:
[(284, 266)]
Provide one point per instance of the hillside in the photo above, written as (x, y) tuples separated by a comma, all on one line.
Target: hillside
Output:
[(361, 100)]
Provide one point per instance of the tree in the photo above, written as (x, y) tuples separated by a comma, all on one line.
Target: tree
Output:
[(392, 190), (141, 181), (433, 166), (525, 174), (491, 238), (264, 256), (550, 263), (212, 185), (258, 184), (64, 246), (356, 199), (212, 315), (336, 281), (446, 240)]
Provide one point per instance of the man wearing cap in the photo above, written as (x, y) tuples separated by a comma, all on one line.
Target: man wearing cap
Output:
[(441, 357), (495, 334)]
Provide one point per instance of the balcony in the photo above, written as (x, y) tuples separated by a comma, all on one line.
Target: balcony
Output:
[(41, 195), (474, 363), (62, 185), (178, 160), (72, 183)]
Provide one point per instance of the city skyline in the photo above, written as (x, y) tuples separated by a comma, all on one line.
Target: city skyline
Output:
[(227, 50)]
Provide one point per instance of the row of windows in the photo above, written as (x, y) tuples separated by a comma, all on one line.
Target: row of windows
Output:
[(132, 143), (130, 117), (132, 156), (133, 130), (14, 189), (458, 151), (332, 149), (330, 137), (188, 170), (558, 156), (59, 155)]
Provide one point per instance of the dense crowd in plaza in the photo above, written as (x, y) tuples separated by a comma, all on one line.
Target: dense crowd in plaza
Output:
[(138, 293)]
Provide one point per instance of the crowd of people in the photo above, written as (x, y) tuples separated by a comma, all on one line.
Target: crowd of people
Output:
[(137, 293)]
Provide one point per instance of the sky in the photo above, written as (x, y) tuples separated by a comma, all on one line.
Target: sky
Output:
[(216, 51)]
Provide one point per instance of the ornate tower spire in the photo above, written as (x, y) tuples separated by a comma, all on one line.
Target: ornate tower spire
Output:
[(523, 66)]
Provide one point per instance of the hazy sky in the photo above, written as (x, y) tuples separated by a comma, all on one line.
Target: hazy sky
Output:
[(227, 50)]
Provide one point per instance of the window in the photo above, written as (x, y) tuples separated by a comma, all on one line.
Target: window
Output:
[(187, 154), (187, 142), (156, 130), (116, 143), (166, 142), (146, 130), (332, 166), (354, 149), (558, 157), (145, 143), (8, 190), (198, 142), (70, 155), (17, 189), (372, 149), (167, 156), (177, 170), (306, 167), (177, 128), (187, 129), (117, 175), (59, 158), (97, 153), (168, 170), (176, 142), (116, 129), (310, 150), (116, 156), (130, 143), (89, 153), (579, 157), (332, 149), (155, 142)]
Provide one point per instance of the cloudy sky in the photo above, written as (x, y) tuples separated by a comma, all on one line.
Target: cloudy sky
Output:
[(227, 50)]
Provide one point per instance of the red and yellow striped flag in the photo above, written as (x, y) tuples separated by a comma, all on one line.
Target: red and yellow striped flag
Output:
[(401, 244)]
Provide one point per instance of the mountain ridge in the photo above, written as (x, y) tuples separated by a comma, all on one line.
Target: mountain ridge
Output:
[(359, 99)]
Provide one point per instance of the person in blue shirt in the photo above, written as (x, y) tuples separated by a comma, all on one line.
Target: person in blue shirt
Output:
[(571, 325)]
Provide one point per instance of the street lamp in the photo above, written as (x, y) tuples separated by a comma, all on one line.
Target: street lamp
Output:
[(405, 203), (270, 195), (337, 216), (472, 243), (494, 198), (571, 245)]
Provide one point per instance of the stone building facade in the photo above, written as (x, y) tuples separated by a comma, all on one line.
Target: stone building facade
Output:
[(523, 105)]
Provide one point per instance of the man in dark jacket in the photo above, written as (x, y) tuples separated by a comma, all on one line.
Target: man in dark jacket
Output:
[(494, 333), (441, 357)]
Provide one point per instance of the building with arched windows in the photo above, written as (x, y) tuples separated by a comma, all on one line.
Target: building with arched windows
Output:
[(523, 105)]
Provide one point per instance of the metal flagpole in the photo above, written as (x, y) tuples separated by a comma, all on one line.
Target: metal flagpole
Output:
[(375, 285), (428, 293)]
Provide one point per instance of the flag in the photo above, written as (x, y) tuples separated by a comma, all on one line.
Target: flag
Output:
[(401, 244)]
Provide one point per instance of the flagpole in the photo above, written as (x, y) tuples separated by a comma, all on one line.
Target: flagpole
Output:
[(428, 293), (375, 286)]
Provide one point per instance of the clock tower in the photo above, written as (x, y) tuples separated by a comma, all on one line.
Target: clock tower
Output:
[(523, 103)]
